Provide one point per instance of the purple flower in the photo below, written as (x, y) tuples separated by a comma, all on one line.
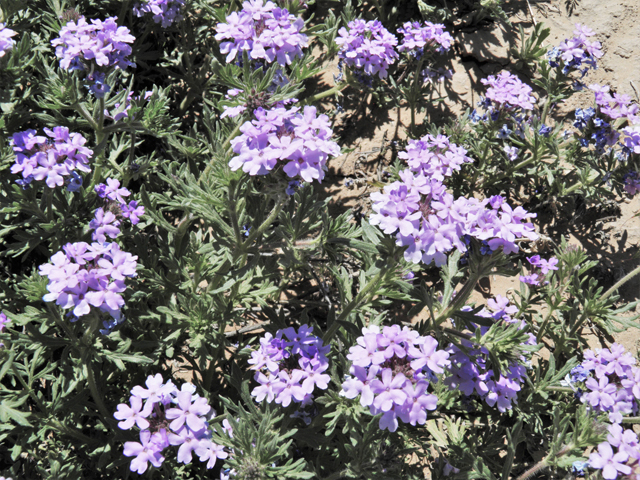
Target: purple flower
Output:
[(367, 47), (301, 142), (39, 158), (419, 39), (134, 414), (290, 366), (6, 43), (145, 452), (189, 411), (507, 91), (609, 462), (165, 12), (391, 371), (133, 211), (99, 44), (104, 224), (266, 32)]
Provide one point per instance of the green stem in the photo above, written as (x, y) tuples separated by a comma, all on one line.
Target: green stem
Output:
[(414, 97), (332, 91), (233, 215), (545, 110), (559, 389), (630, 419), (461, 298), (263, 227), (28, 388), (362, 297), (336, 475), (72, 432), (544, 463), (621, 282), (93, 388)]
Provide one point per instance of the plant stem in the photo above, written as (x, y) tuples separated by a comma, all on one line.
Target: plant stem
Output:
[(414, 97), (93, 387), (319, 96), (461, 298), (545, 110), (621, 282), (368, 290)]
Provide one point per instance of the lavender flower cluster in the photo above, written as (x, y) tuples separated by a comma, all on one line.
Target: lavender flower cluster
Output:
[(167, 417), (538, 270), (290, 366), (625, 461), (6, 43), (302, 141), (85, 276), (469, 369), (430, 221), (609, 382), (50, 159), (576, 52), (264, 31), (614, 106), (84, 46), (367, 47), (164, 12), (507, 92), (116, 206), (391, 372), (422, 38)]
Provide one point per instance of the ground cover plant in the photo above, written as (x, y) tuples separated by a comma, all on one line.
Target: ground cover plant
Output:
[(181, 298)]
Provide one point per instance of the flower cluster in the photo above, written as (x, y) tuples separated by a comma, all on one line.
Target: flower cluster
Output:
[(167, 417), (469, 370), (114, 196), (391, 371), (614, 106), (420, 39), (164, 12), (83, 46), (6, 43), (302, 141), (507, 91), (86, 276), (625, 461), (430, 221), (609, 381), (538, 270), (576, 52), (264, 31), (4, 321), (367, 47), (632, 182), (50, 159), (290, 366)]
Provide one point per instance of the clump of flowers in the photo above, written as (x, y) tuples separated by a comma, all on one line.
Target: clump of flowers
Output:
[(367, 47), (86, 278), (103, 44), (264, 31), (391, 371), (539, 270), (6, 42), (164, 12), (424, 38), (624, 461), (290, 366), (96, 47), (300, 141), (168, 416), (576, 53), (507, 91), (50, 159), (429, 221), (614, 106), (116, 205), (470, 371), (608, 381)]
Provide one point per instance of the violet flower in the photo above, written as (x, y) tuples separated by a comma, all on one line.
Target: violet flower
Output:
[(6, 43)]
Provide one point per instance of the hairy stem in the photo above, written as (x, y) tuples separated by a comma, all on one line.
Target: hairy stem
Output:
[(621, 282)]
